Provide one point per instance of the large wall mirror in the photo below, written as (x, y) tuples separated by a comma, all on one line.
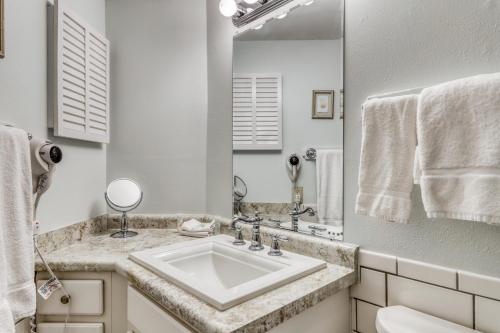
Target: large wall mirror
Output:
[(288, 118)]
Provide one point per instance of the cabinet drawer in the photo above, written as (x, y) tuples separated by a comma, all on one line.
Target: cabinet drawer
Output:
[(86, 299), (71, 328), (147, 317)]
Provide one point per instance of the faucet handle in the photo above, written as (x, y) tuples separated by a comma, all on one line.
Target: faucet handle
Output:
[(257, 217), (275, 244), (238, 236)]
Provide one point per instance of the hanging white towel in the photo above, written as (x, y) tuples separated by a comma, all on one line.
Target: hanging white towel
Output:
[(459, 149), (387, 157), (16, 216), (329, 186)]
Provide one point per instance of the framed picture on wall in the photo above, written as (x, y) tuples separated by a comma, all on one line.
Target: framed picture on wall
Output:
[(322, 106), (2, 35)]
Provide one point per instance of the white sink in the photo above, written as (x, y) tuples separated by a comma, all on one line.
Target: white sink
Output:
[(223, 274)]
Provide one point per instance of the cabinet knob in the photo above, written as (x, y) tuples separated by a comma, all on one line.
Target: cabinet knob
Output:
[(64, 299)]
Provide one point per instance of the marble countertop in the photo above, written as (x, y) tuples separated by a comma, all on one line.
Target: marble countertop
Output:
[(98, 253)]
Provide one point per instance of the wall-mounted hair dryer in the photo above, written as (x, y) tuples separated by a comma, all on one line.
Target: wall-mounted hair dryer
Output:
[(293, 165), (44, 156)]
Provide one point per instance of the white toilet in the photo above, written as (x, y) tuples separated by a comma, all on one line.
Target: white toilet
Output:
[(400, 319)]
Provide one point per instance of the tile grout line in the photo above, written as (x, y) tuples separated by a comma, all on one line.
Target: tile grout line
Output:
[(368, 302), (386, 290), (474, 311), (356, 309), (430, 283)]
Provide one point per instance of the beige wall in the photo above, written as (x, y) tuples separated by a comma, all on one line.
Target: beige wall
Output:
[(77, 190), (398, 44), (159, 101)]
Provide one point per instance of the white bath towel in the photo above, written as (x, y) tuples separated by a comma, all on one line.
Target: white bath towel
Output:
[(459, 149), (329, 186), (16, 226), (387, 157)]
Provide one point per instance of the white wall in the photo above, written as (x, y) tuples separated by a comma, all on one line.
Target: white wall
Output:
[(397, 44), (159, 101), (77, 191), (305, 65), (219, 124)]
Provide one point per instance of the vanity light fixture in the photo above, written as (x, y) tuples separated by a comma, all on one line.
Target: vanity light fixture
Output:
[(249, 11), (282, 15), (228, 8)]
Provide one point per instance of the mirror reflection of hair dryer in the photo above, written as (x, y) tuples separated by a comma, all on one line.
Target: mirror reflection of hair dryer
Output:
[(293, 165)]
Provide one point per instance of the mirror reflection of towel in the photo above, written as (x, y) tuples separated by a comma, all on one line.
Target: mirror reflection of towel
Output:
[(329, 186)]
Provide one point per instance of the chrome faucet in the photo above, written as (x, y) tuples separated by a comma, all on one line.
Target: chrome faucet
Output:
[(256, 242), (296, 212), (275, 245), (245, 219)]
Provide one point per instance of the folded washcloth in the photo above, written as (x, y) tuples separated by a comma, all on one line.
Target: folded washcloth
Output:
[(195, 228), (329, 188), (459, 148), (199, 234), (387, 156)]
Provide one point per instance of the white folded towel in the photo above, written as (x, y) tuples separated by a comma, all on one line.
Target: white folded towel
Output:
[(199, 234), (459, 148), (329, 186), (387, 158), (195, 228), (16, 224)]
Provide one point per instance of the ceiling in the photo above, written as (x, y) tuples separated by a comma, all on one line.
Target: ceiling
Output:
[(320, 20)]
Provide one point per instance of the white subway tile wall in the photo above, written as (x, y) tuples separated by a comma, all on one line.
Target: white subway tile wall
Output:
[(479, 284), (366, 317), (444, 303), (487, 315), (427, 273), (379, 261), (371, 287), (438, 291)]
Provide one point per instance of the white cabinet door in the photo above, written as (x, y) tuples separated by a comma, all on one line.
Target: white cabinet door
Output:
[(71, 328), (147, 317), (86, 299)]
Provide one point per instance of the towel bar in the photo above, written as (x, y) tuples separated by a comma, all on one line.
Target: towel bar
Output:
[(397, 93)]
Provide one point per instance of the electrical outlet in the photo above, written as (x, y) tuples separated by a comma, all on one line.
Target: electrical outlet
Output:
[(298, 194)]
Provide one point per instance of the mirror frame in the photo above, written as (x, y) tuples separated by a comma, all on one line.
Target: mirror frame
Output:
[(123, 209), (249, 22)]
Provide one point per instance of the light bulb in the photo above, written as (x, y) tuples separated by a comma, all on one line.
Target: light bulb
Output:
[(258, 27), (282, 16), (251, 2), (308, 3), (228, 7)]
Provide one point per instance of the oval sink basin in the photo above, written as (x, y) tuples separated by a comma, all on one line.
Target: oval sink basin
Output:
[(223, 274)]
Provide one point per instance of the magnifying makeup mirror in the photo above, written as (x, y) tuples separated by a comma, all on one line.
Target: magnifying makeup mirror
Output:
[(123, 195)]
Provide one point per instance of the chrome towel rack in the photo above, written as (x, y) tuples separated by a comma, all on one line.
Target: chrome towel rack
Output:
[(410, 91), (3, 123), (310, 154)]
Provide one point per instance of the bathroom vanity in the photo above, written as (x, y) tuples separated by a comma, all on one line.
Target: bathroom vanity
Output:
[(111, 293)]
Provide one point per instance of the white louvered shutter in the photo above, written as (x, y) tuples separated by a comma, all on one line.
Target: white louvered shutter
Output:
[(82, 79), (257, 112)]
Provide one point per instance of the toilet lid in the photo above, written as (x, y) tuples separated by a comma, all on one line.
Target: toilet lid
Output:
[(400, 319)]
